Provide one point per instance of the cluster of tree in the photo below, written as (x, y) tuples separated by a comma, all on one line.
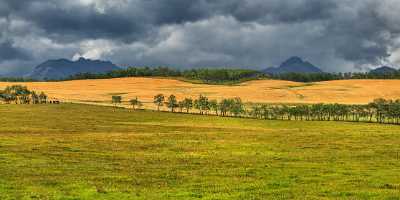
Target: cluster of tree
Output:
[(135, 103), (21, 95), (205, 75), (226, 107), (316, 77)]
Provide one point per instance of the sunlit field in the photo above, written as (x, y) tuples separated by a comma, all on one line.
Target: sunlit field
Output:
[(261, 91), (72, 151)]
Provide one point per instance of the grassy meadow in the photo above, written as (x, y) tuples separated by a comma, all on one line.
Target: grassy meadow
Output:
[(72, 151)]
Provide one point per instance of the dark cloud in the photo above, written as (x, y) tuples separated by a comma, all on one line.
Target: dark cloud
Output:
[(135, 18), (337, 35), (9, 52), (277, 11), (362, 35)]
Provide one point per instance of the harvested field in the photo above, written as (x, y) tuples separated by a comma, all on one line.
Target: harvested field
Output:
[(261, 91)]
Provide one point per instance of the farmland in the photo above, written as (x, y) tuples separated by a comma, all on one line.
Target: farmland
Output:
[(260, 91), (72, 151)]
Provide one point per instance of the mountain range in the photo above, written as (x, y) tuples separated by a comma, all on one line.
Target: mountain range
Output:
[(63, 68)]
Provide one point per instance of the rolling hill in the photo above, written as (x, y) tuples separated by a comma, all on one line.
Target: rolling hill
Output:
[(263, 91)]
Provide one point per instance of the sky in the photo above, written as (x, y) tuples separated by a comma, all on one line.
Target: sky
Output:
[(335, 35)]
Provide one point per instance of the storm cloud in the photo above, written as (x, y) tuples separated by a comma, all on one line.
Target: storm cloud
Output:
[(344, 35)]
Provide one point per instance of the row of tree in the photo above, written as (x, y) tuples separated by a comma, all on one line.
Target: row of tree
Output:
[(21, 95), (208, 75), (226, 107), (380, 110), (317, 77), (202, 104), (205, 74)]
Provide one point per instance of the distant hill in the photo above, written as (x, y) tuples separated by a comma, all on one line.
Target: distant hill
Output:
[(63, 68), (293, 65), (383, 70)]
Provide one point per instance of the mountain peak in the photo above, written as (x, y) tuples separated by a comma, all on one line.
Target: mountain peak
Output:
[(294, 64), (383, 70), (293, 60), (63, 68), (82, 59)]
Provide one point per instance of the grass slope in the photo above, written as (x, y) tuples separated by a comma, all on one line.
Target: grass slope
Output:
[(88, 152)]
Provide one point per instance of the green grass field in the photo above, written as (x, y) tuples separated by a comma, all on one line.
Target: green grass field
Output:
[(89, 152)]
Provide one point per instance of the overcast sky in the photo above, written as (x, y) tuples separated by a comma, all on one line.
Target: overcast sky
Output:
[(336, 35)]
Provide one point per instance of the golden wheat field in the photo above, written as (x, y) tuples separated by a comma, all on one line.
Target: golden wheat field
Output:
[(259, 91)]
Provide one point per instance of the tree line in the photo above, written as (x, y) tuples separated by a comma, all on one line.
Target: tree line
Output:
[(226, 107), (380, 110), (221, 76), (217, 76), (317, 77), (19, 94)]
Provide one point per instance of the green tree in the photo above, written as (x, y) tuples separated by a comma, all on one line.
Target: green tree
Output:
[(225, 106), (116, 100), (213, 104), (172, 103), (135, 103), (237, 107), (202, 104), (34, 97), (159, 101), (21, 93), (181, 105), (188, 104), (42, 98)]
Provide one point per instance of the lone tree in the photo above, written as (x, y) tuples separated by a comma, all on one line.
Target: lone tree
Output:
[(116, 100), (188, 104), (238, 107), (202, 104), (34, 97), (181, 105), (225, 106), (42, 98), (172, 103), (159, 100), (135, 103), (214, 106)]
